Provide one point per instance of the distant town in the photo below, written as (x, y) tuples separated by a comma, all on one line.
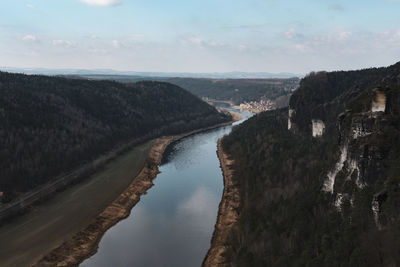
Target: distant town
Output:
[(257, 106), (252, 106)]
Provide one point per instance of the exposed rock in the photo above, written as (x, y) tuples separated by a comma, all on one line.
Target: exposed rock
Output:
[(330, 182), (318, 128), (354, 172), (379, 101), (291, 113), (376, 204), (339, 201)]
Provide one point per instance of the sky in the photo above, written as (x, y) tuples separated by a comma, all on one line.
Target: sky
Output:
[(296, 36)]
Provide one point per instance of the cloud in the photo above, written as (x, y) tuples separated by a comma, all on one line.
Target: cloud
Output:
[(201, 43), (98, 51), (214, 43), (116, 44), (29, 38), (102, 2), (246, 26), (301, 48), (290, 33), (336, 7), (195, 40), (242, 47), (392, 37), (197, 207), (343, 36), (64, 43), (136, 37), (30, 6), (333, 41)]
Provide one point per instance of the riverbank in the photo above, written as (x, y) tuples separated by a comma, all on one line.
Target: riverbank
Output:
[(48, 224), (235, 116), (227, 213), (85, 243)]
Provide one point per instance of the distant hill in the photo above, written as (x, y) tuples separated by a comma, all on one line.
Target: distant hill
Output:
[(234, 90), (236, 87), (238, 90), (142, 74), (320, 181), (50, 125)]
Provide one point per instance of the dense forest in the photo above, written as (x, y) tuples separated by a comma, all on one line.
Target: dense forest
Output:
[(332, 199), (235, 90), (51, 125), (238, 90)]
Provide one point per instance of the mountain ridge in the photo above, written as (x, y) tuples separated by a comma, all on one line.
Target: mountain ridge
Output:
[(220, 75)]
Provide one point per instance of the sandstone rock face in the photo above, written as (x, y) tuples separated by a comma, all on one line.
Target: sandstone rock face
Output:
[(362, 155), (379, 101), (290, 115), (318, 128), (331, 176)]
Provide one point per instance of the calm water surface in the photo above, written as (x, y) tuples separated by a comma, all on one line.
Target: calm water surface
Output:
[(172, 225)]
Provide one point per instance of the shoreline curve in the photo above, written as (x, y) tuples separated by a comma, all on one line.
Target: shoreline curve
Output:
[(227, 213), (84, 243)]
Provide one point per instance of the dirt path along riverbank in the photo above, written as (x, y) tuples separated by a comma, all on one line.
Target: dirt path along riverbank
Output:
[(227, 213)]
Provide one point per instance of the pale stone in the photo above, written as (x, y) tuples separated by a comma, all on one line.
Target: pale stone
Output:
[(318, 128), (330, 181), (291, 112), (379, 102)]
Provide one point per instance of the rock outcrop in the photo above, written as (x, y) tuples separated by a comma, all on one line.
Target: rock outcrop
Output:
[(320, 181)]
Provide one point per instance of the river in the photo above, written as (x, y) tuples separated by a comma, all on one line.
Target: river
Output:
[(172, 225)]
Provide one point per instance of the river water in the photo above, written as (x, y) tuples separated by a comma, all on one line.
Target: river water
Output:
[(173, 223)]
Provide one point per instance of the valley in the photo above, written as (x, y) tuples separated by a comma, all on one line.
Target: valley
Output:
[(199, 133)]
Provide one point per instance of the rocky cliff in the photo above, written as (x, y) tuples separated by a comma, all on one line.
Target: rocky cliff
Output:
[(320, 181)]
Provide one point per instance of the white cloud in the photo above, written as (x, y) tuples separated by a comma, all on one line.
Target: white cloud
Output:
[(333, 41), (102, 2), (29, 38), (98, 51), (197, 207), (214, 43), (387, 39), (136, 37), (344, 36), (195, 40), (301, 48), (242, 47), (116, 44), (64, 43), (30, 6), (290, 33), (201, 43)]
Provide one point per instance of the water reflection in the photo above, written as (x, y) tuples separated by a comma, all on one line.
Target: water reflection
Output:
[(171, 225)]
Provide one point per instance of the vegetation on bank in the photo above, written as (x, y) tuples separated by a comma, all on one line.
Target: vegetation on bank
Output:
[(51, 125), (286, 218)]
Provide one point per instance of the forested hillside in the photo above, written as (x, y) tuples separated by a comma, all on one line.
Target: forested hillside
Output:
[(238, 90), (51, 125), (326, 191), (235, 90)]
